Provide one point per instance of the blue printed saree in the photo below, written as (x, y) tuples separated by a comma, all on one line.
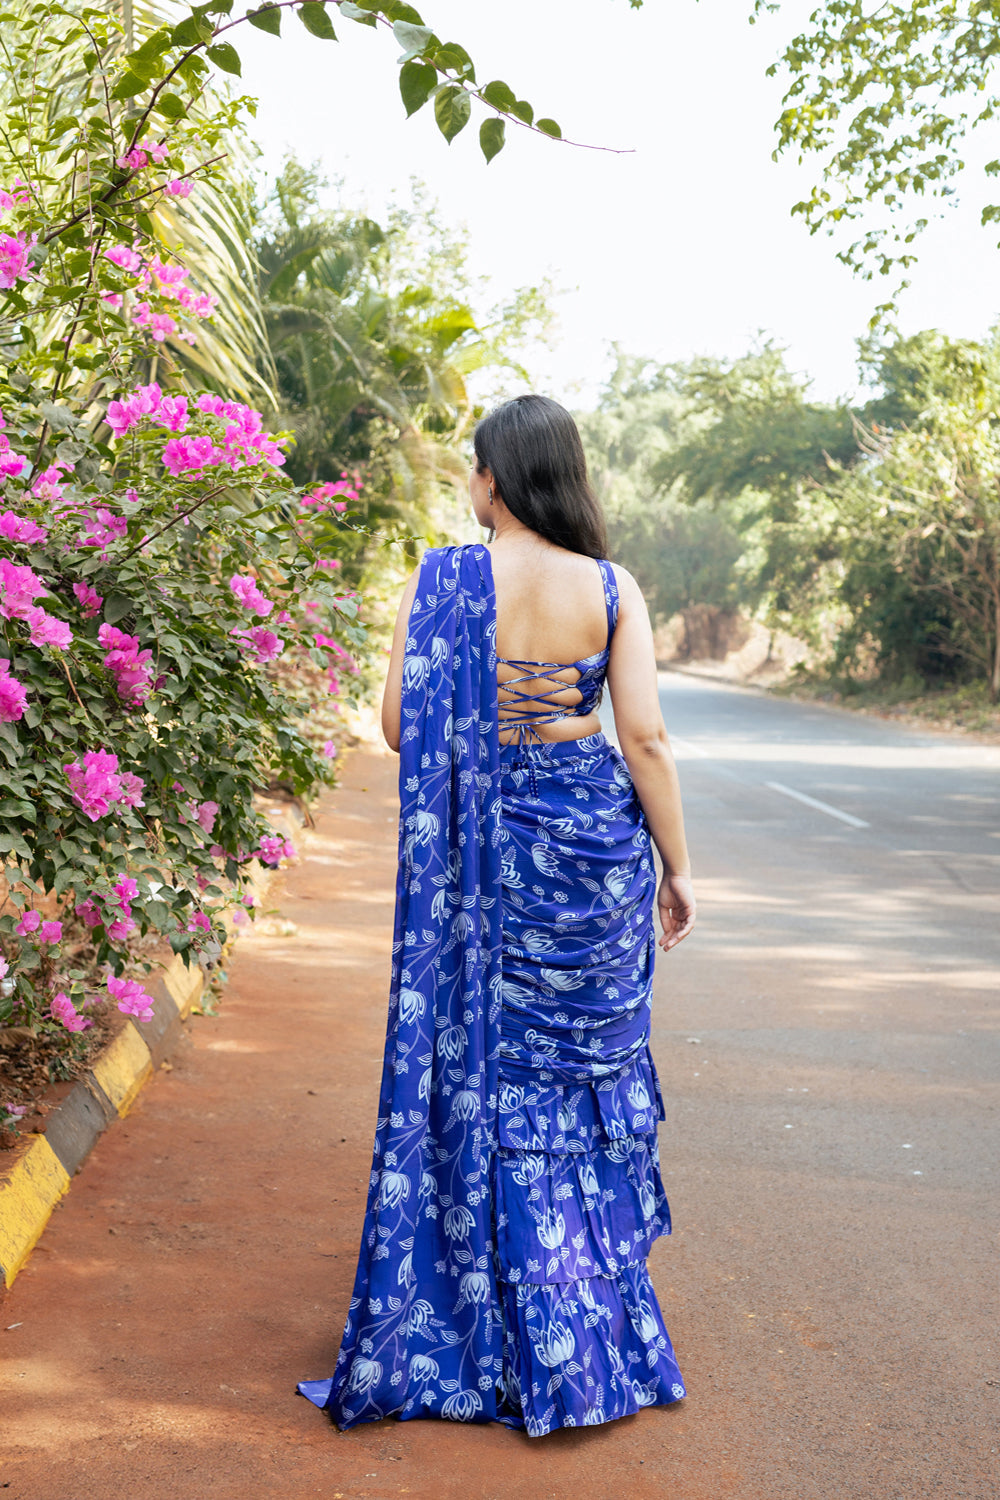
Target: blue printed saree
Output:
[(515, 1188)]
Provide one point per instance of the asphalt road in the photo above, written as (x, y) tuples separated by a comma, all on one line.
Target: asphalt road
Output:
[(826, 1041), (828, 1048)]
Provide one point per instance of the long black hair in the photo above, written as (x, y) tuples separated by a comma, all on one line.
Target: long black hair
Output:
[(532, 447)]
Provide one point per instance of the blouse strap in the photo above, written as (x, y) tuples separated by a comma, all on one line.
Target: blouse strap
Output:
[(610, 596)]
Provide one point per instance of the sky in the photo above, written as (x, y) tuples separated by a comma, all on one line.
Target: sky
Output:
[(678, 244)]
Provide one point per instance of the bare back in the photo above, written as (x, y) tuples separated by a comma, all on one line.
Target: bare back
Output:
[(550, 610)]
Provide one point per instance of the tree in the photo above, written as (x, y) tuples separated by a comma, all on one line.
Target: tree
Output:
[(374, 338), (886, 96), (147, 526), (921, 522), (684, 557)]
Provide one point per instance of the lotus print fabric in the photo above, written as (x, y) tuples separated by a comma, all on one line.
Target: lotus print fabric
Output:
[(515, 1188)]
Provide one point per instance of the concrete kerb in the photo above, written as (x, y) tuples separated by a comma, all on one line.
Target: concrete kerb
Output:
[(37, 1173)]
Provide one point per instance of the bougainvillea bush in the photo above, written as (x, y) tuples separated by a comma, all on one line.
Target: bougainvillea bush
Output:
[(156, 566)]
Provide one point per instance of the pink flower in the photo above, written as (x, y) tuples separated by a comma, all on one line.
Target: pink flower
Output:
[(205, 815), (113, 300), (179, 188), (198, 303), (126, 259), (46, 630), (283, 618), (214, 406), (199, 923), (132, 668), (169, 276), (30, 922), (89, 912), (173, 412), (330, 563), (14, 259), (161, 325), (158, 150), (48, 486), (120, 927), (90, 600), (100, 528), (19, 529), (132, 790), (131, 997), (132, 161), (51, 932), (18, 587), (143, 402), (11, 464), (126, 890), (13, 697), (273, 849), (263, 644), (11, 200), (330, 750), (190, 454), (249, 595), (62, 1009), (96, 784)]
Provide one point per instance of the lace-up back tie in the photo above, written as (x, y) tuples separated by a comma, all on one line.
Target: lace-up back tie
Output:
[(524, 710)]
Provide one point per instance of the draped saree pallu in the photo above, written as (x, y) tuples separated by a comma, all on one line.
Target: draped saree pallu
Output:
[(515, 1187)]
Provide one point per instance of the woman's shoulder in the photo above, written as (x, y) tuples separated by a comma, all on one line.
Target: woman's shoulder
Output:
[(627, 586)]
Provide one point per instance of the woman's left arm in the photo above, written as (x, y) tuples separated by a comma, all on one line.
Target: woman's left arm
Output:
[(392, 697)]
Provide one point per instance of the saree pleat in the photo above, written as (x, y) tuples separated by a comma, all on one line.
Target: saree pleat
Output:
[(515, 1189)]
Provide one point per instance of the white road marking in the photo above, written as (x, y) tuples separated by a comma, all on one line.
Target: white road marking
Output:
[(833, 812), (687, 748)]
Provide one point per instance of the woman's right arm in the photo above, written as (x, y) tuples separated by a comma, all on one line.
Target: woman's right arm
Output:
[(392, 697), (646, 750)]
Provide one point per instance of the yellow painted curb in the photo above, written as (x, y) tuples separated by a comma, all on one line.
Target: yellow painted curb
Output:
[(123, 1067), (28, 1193), (184, 984)]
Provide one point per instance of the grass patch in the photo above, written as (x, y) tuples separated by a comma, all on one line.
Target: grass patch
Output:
[(967, 709)]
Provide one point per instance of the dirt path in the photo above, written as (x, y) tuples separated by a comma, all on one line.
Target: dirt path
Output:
[(202, 1264)]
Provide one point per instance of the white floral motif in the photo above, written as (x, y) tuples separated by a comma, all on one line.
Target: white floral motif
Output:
[(556, 1344)]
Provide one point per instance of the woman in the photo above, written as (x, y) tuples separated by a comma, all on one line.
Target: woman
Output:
[(515, 1187)]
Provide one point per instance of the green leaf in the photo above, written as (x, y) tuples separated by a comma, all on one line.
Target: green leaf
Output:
[(412, 39), (491, 136), (452, 56), (315, 19), (355, 13), (499, 95), (191, 32), (128, 86), (170, 106), (268, 19), (523, 110), (452, 108), (59, 418), (116, 607), (417, 81), (12, 808), (550, 128), (225, 57)]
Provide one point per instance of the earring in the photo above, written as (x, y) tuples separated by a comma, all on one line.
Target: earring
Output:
[(491, 494)]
